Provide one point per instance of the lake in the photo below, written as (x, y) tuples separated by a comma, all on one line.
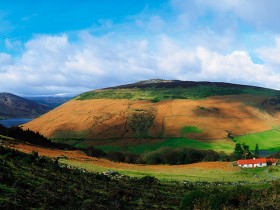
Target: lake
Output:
[(14, 121)]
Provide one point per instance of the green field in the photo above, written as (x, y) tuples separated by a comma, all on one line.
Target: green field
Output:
[(190, 129), (267, 140), (158, 94)]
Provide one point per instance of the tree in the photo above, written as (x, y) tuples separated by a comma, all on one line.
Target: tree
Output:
[(246, 151), (140, 123), (241, 150), (257, 151), (238, 151)]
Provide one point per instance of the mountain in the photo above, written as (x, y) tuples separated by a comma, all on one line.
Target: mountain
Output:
[(12, 106), (152, 114)]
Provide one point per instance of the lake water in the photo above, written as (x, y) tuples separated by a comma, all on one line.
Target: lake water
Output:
[(14, 121)]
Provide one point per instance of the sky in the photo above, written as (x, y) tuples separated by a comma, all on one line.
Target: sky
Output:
[(50, 47)]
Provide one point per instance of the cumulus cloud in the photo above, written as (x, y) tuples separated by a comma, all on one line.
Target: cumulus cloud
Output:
[(54, 64)]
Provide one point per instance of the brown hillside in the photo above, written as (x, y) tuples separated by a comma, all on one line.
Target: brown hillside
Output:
[(105, 119)]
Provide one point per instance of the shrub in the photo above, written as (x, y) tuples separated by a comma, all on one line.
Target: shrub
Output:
[(195, 200), (148, 180)]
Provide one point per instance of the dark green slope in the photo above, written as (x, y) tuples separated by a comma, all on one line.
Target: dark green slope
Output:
[(157, 90)]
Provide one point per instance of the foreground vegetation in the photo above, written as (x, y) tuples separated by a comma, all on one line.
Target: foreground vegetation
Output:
[(31, 181)]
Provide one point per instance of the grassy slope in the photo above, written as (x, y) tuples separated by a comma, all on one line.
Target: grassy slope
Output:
[(80, 138), (197, 92), (268, 140)]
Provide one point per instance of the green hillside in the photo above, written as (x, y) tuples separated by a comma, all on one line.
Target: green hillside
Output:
[(267, 140)]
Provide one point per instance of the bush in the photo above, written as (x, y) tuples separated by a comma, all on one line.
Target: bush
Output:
[(140, 123), (95, 152), (115, 156)]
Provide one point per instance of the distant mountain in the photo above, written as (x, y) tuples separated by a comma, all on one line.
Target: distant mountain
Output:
[(51, 101), (12, 106)]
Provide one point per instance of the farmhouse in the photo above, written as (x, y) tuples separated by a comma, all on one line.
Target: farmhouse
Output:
[(256, 162)]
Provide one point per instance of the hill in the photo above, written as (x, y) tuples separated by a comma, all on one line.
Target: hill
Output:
[(148, 115), (12, 106)]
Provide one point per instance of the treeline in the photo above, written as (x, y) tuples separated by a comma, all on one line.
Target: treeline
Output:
[(164, 155), (31, 137)]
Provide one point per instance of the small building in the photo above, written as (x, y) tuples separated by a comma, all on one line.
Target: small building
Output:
[(257, 162)]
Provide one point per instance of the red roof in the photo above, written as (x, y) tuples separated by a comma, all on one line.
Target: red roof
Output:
[(272, 160), (252, 161)]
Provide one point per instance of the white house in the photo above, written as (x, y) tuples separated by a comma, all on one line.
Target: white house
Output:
[(256, 162)]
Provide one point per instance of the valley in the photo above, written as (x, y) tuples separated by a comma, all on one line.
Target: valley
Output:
[(202, 171)]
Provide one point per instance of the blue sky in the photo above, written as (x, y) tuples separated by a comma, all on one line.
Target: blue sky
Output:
[(61, 47)]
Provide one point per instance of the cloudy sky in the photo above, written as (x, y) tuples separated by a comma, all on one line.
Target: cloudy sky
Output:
[(52, 47)]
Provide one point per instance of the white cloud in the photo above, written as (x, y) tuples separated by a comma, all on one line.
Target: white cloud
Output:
[(54, 64), (236, 67)]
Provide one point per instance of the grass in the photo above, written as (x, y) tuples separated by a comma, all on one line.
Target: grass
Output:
[(70, 135), (218, 145), (158, 94), (190, 129), (267, 140), (6, 137)]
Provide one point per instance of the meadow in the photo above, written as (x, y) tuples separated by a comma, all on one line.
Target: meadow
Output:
[(209, 172), (267, 140)]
